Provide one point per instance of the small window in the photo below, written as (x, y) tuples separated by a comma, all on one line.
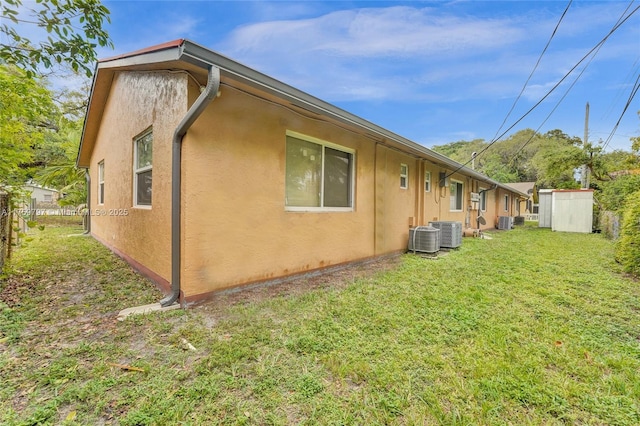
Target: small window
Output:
[(404, 176), (427, 181), (319, 175), (483, 199), (47, 198), (142, 169), (506, 203), (101, 182), (456, 192)]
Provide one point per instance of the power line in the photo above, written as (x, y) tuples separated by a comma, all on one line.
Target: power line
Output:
[(604, 39), (567, 91), (633, 93), (559, 101), (526, 83)]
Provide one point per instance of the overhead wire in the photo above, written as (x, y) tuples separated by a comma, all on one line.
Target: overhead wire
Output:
[(526, 83), (633, 93), (566, 92), (604, 39)]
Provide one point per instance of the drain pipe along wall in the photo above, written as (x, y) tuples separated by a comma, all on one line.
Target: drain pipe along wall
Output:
[(206, 97)]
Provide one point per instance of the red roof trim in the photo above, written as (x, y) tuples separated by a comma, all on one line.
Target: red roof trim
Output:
[(156, 48)]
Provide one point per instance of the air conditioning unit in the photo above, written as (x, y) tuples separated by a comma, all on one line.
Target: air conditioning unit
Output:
[(505, 222), (424, 239), (450, 233), (518, 220)]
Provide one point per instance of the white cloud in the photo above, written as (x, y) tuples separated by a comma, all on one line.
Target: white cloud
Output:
[(392, 32)]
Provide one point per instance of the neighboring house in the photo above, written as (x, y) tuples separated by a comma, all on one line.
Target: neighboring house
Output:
[(45, 197), (206, 175), (528, 206)]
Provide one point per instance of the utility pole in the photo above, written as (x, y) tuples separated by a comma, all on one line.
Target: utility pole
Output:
[(584, 175)]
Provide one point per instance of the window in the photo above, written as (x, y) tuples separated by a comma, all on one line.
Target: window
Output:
[(47, 198), (455, 201), (142, 169), (101, 182), (319, 175), (427, 181), (506, 203), (483, 199), (404, 176)]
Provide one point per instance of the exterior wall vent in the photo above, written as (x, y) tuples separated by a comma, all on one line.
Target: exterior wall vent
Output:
[(505, 222), (450, 233), (424, 239)]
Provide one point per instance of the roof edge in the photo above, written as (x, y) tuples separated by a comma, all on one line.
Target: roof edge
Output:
[(158, 47)]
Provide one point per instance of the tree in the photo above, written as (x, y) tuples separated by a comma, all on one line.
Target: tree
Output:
[(26, 113), (74, 28)]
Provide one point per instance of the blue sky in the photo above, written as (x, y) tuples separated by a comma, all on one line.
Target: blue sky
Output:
[(434, 72)]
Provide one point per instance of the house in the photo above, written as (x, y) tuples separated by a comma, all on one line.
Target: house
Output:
[(207, 175), (529, 206), (43, 196)]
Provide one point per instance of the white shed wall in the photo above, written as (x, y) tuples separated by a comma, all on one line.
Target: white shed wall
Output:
[(572, 211), (544, 208)]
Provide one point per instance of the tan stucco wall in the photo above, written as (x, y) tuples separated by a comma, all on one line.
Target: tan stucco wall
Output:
[(236, 227), (137, 101)]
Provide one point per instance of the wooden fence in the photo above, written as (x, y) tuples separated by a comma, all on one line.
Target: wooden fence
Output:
[(610, 224), (5, 228)]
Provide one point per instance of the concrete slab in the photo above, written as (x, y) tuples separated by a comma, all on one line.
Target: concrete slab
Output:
[(145, 309)]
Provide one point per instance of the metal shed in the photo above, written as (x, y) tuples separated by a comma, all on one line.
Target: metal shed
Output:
[(572, 210), (544, 208)]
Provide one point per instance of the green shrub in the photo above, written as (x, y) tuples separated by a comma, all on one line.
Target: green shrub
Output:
[(628, 246)]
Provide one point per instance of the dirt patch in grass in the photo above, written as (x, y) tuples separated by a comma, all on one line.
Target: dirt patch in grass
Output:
[(296, 286)]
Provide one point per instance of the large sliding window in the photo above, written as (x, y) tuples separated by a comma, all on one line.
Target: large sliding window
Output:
[(143, 169), (319, 175)]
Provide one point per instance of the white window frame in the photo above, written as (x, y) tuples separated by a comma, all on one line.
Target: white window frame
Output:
[(101, 183), (455, 182), (404, 176), (137, 171), (506, 203), (352, 173), (427, 181), (482, 205)]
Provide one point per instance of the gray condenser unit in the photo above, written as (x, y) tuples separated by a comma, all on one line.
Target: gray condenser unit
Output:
[(450, 233), (505, 222), (424, 239)]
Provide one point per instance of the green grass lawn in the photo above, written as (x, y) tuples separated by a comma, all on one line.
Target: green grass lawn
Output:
[(530, 327)]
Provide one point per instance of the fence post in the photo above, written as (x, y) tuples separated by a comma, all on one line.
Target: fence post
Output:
[(5, 224)]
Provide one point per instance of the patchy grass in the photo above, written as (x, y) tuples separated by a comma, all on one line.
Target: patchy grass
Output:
[(531, 327)]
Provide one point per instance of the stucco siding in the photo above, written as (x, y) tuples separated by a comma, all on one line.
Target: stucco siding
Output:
[(236, 228), (137, 101)]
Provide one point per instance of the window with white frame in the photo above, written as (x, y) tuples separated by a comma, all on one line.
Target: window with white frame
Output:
[(506, 203), (427, 181), (319, 175), (404, 176), (483, 199), (101, 182), (143, 169), (455, 194)]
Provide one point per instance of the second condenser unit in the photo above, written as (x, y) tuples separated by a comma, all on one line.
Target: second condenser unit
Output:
[(450, 233)]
